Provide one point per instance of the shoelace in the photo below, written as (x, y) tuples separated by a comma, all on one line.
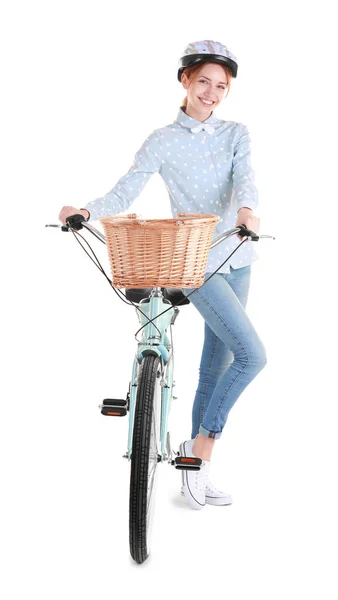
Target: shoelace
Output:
[(211, 487), (201, 476)]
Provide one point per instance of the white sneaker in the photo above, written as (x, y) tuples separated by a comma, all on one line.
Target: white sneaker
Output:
[(194, 482), (212, 495)]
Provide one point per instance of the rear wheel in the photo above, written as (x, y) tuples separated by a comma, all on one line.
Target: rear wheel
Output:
[(144, 458)]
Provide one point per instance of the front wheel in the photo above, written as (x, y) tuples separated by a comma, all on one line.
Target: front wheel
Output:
[(144, 458)]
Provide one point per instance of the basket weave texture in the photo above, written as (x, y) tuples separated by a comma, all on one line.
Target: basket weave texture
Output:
[(159, 252)]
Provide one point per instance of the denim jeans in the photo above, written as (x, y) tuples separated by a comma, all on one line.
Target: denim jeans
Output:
[(232, 353)]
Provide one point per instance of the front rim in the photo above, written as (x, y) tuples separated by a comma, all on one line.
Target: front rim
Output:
[(153, 458), (143, 464)]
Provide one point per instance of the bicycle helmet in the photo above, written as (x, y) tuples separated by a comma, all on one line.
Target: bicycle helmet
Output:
[(207, 51)]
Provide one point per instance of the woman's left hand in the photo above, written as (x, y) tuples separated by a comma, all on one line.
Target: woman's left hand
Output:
[(246, 217)]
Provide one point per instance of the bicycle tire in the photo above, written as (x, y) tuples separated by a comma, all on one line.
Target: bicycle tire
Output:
[(145, 424)]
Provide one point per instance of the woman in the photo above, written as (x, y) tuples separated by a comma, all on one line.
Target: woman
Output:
[(205, 163)]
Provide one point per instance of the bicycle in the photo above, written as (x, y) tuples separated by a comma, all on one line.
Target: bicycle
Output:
[(150, 392)]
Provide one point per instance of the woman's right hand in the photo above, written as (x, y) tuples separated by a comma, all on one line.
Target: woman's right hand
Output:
[(67, 211)]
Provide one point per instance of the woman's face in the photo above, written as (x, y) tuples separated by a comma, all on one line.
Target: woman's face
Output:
[(209, 85)]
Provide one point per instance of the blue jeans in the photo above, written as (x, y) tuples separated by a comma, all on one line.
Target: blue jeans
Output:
[(232, 354)]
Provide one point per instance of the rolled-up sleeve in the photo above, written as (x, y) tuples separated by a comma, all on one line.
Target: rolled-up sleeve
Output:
[(147, 161), (243, 176)]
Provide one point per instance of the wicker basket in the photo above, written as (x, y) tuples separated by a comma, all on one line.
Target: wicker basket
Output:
[(159, 252)]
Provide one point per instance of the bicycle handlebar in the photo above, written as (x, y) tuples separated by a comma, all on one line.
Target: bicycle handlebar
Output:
[(78, 221)]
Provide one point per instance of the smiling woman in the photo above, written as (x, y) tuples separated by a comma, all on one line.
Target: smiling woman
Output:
[(205, 163)]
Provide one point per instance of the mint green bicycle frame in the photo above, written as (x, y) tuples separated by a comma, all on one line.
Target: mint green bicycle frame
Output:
[(159, 344), (163, 349)]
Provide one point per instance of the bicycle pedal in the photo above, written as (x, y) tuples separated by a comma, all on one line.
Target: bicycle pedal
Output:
[(114, 408), (192, 463)]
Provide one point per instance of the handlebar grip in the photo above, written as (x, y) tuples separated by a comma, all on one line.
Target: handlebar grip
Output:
[(75, 221), (248, 233)]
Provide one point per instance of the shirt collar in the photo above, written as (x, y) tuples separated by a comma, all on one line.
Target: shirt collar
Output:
[(193, 124)]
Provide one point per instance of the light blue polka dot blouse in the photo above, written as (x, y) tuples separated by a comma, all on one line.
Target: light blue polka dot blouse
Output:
[(206, 167)]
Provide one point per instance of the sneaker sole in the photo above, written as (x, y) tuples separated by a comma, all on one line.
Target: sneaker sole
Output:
[(186, 490), (223, 501)]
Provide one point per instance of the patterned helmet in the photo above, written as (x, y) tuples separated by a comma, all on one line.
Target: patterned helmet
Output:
[(207, 51)]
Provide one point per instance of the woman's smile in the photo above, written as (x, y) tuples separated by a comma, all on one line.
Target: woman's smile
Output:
[(206, 102)]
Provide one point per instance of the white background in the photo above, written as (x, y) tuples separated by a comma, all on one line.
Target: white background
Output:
[(83, 85)]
